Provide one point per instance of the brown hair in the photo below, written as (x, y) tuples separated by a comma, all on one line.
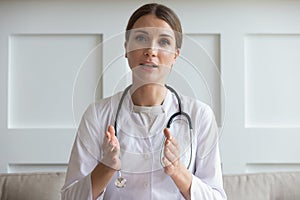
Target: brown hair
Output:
[(161, 12)]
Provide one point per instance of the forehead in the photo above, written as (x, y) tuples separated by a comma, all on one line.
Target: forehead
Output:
[(152, 25), (151, 21)]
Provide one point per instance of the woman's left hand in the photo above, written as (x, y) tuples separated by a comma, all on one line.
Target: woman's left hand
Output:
[(171, 158), (174, 167)]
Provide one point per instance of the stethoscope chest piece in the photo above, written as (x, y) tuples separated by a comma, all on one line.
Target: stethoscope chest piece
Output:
[(120, 182)]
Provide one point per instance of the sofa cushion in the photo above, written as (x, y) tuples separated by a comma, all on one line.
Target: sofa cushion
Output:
[(263, 186), (31, 186)]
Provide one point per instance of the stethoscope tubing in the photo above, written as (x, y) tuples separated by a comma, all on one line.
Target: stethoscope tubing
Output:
[(171, 119)]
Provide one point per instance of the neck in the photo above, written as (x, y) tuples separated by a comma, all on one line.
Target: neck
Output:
[(149, 95)]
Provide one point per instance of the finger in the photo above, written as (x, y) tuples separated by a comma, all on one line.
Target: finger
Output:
[(114, 139), (168, 137), (107, 145), (173, 149), (107, 138), (111, 131), (170, 155), (166, 162), (167, 134), (174, 142), (108, 142)]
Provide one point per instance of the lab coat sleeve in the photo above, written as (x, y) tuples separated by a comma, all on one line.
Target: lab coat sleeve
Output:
[(84, 157), (207, 183)]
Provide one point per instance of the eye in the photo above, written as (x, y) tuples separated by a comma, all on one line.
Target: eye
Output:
[(164, 42), (141, 38)]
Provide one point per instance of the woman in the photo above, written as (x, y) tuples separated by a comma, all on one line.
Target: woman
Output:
[(139, 146)]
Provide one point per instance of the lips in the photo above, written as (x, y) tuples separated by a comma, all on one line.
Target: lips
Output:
[(150, 65)]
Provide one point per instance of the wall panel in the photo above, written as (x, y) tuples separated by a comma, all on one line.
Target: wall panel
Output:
[(42, 70), (272, 80)]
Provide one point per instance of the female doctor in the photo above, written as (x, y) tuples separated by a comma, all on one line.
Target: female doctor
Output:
[(147, 142)]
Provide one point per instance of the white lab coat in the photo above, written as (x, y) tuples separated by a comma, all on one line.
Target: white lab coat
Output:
[(141, 152)]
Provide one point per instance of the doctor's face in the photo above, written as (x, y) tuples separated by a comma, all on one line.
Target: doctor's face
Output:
[(151, 45)]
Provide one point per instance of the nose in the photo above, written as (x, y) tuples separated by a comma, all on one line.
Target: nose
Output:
[(151, 51)]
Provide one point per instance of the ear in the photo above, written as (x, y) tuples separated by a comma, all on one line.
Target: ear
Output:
[(177, 52), (125, 46)]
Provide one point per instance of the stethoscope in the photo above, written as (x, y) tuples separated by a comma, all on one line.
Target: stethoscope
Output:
[(120, 182)]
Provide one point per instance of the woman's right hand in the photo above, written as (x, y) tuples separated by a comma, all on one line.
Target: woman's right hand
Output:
[(105, 170), (111, 149)]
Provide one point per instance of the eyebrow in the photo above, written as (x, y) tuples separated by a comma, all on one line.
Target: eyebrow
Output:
[(166, 35), (161, 35), (145, 32)]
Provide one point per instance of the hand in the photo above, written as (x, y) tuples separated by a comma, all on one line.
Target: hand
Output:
[(174, 167), (171, 158), (111, 150)]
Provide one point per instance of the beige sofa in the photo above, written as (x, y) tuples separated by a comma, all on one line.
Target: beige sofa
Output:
[(261, 186)]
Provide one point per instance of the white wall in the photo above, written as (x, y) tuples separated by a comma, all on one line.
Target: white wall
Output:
[(239, 57)]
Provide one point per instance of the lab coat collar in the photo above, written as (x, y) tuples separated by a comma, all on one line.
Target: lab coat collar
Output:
[(127, 119)]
